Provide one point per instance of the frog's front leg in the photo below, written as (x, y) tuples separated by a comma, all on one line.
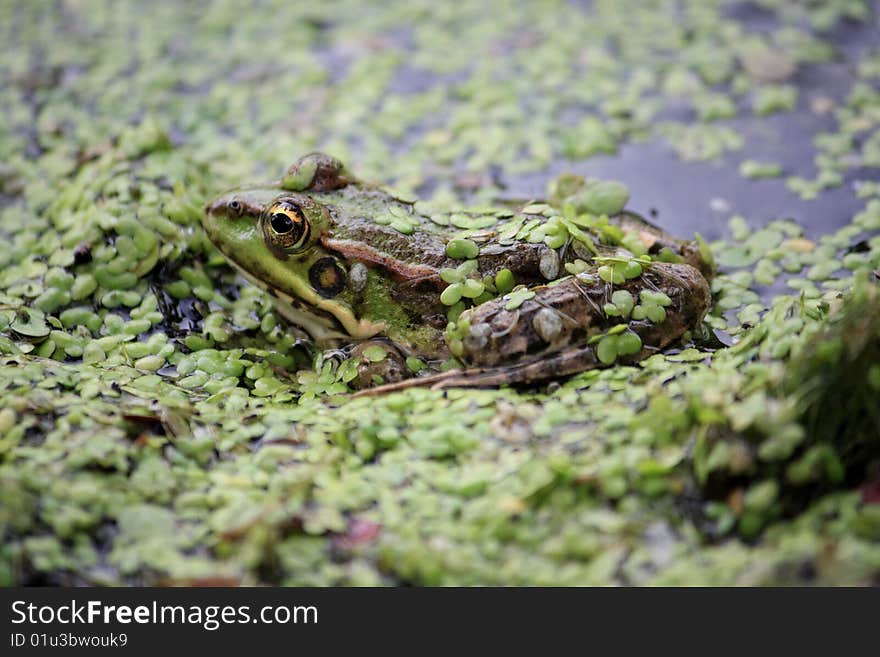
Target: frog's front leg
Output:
[(378, 362)]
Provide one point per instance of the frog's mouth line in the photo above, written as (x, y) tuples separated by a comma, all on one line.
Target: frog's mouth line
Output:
[(323, 327)]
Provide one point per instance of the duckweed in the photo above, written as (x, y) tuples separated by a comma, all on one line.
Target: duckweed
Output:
[(462, 249), (617, 343), (755, 169), (160, 423), (518, 297), (606, 197), (504, 281), (621, 305)]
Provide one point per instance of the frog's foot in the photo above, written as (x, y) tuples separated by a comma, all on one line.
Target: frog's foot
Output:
[(378, 362), (565, 363)]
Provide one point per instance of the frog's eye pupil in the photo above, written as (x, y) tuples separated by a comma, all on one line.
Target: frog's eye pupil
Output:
[(235, 206), (281, 223)]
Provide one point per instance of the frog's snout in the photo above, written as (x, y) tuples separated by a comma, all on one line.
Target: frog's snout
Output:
[(210, 219), (235, 205), (219, 216)]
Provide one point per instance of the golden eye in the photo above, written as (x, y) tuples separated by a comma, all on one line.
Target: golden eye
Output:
[(286, 228)]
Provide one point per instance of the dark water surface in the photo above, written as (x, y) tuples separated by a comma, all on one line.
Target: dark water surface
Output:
[(687, 196)]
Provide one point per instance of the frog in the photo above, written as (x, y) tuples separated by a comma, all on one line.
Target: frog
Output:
[(518, 293)]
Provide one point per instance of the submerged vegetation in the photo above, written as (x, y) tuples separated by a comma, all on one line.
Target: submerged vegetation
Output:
[(160, 423)]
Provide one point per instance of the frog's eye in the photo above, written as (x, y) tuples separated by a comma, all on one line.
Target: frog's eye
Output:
[(286, 228)]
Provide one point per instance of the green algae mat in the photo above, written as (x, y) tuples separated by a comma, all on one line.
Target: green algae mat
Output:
[(160, 423)]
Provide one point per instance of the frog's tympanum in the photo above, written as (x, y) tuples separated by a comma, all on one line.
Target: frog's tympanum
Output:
[(513, 294)]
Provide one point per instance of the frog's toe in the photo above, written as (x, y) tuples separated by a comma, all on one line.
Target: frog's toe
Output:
[(378, 363)]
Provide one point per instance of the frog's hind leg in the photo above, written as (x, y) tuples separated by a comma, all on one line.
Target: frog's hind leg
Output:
[(547, 335), (561, 364), (564, 363)]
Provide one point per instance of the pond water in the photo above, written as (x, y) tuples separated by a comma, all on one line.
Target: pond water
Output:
[(687, 196)]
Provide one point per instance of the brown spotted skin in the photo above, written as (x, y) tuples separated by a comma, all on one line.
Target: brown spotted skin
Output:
[(511, 334)]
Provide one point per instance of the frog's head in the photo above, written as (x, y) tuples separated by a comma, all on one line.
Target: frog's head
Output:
[(273, 235)]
